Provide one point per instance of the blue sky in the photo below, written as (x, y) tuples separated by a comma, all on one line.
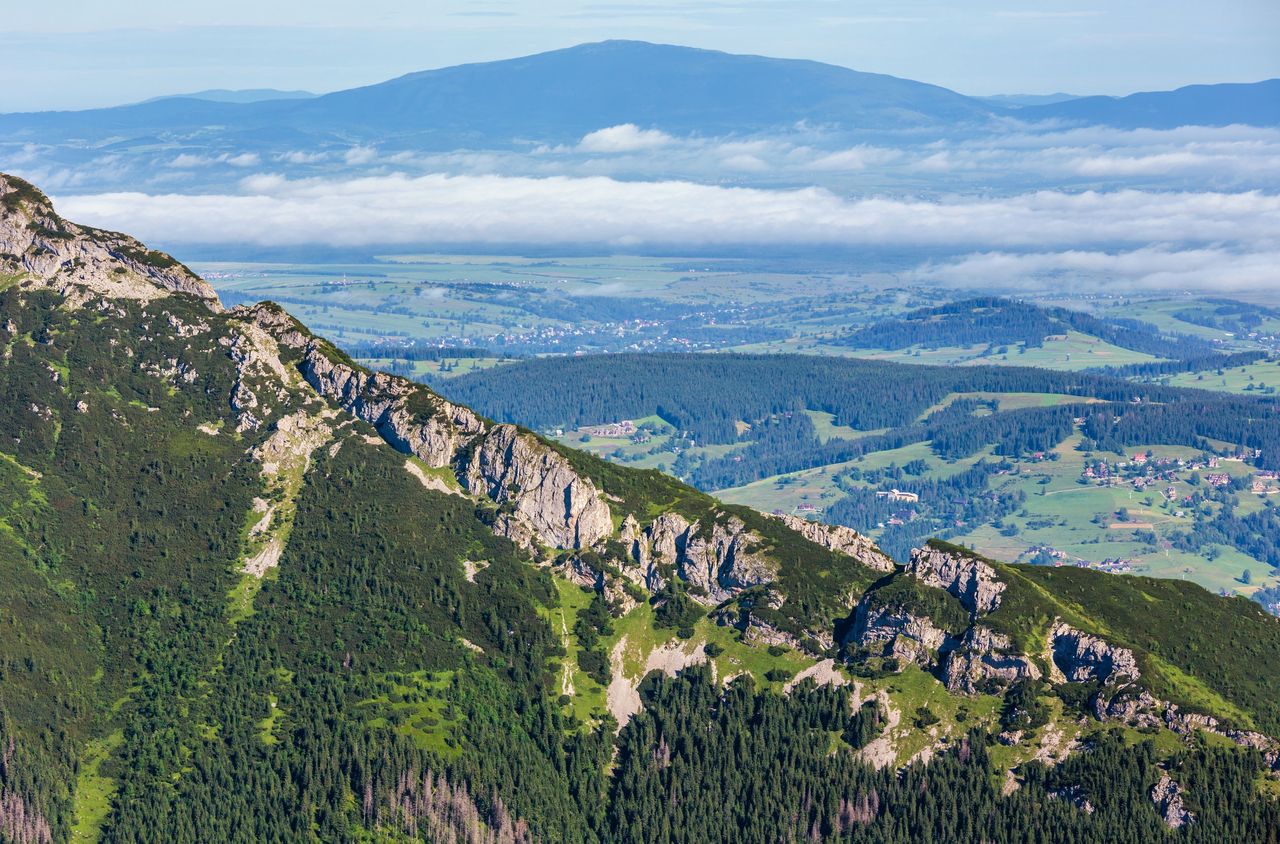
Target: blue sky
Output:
[(84, 53)]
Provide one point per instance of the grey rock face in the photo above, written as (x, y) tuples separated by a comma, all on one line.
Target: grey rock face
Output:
[(383, 401), (720, 559), (1128, 704), (639, 568), (840, 539), (1167, 795), (545, 500), (985, 656), (563, 508), (1083, 657), (973, 582), (1187, 723), (896, 633), (667, 537), (83, 263), (273, 319)]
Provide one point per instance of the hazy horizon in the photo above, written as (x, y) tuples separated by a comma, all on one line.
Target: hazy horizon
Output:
[(110, 56)]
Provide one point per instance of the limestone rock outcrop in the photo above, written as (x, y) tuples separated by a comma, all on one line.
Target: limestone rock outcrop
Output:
[(840, 539), (541, 498), (1083, 657), (1129, 704), (973, 582), (895, 632), (722, 560), (537, 483), (1167, 795), (385, 402), (985, 657), (80, 262), (719, 560)]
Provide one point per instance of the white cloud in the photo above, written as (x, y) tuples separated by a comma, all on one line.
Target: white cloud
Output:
[(857, 158), (186, 159), (360, 155), (244, 159), (301, 157), (625, 137), (1153, 268), (744, 161), (273, 210)]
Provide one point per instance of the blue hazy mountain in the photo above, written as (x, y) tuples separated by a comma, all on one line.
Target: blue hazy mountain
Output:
[(1020, 100), (552, 97), (240, 95), (558, 96), (1256, 104)]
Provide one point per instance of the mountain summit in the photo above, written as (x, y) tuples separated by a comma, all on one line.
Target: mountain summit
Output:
[(251, 591), (559, 96)]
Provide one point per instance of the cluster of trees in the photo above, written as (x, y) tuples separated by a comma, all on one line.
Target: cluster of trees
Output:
[(706, 764), (1204, 363), (707, 394), (1228, 315), (708, 397), (1256, 534), (948, 506), (1249, 424)]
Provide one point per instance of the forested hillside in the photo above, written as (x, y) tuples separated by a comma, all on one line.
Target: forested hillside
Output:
[(251, 591), (961, 442), (883, 405), (1003, 322)]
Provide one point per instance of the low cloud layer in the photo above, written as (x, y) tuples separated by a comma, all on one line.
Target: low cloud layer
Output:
[(1164, 239), (1154, 268), (271, 210)]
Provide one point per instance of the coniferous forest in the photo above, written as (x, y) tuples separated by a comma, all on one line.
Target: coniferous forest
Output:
[(239, 603)]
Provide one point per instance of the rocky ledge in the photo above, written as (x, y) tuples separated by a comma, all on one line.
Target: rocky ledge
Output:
[(40, 249), (842, 540)]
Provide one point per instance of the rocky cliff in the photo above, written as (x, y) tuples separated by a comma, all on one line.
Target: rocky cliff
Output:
[(985, 660), (896, 632), (40, 249), (840, 539), (517, 470), (718, 560), (1084, 658), (972, 581)]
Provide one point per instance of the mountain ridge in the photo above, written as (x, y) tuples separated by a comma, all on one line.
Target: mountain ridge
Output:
[(232, 555), (558, 96)]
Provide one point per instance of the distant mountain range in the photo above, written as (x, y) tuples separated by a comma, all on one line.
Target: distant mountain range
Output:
[(242, 95), (1255, 104), (1020, 100), (559, 96)]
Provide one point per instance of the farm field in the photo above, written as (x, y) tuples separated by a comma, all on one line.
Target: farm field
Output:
[(1071, 352), (1263, 376)]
